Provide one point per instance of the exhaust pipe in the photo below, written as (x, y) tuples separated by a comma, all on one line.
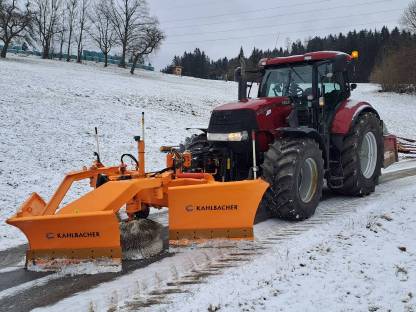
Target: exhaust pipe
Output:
[(239, 76)]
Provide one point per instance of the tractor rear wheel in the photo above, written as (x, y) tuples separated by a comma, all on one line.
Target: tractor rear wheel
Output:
[(294, 170), (362, 156)]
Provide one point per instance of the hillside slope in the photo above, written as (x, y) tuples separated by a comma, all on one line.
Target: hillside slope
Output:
[(48, 110)]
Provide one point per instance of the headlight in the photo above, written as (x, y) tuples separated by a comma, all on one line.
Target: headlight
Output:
[(228, 137)]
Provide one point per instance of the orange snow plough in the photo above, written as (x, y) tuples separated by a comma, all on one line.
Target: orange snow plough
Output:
[(88, 228)]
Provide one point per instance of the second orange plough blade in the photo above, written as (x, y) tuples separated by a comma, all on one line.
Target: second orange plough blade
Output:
[(214, 210)]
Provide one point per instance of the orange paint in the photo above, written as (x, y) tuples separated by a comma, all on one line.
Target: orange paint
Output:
[(88, 228)]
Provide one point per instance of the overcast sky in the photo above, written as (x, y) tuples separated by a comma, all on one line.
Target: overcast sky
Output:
[(220, 27)]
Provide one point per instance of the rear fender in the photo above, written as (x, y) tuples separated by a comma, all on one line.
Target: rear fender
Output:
[(346, 117), (347, 114)]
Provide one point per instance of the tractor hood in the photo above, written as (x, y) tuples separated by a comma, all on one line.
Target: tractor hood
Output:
[(251, 114), (254, 104)]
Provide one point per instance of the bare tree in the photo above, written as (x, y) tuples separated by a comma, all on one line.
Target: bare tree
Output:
[(14, 22), (126, 17), (408, 19), (62, 35), (46, 22), (71, 7), (395, 75), (147, 40), (102, 31), (82, 25)]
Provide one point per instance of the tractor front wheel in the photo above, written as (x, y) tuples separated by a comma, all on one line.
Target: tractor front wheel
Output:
[(294, 170)]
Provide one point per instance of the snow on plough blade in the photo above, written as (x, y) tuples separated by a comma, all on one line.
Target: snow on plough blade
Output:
[(87, 229)]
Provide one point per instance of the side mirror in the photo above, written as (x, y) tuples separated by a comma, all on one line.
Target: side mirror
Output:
[(242, 84), (353, 86), (237, 74)]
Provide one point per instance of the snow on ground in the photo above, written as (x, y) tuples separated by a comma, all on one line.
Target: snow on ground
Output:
[(397, 110), (48, 110), (362, 260)]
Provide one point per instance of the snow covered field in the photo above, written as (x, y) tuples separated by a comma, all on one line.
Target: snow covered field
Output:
[(48, 111), (361, 260)]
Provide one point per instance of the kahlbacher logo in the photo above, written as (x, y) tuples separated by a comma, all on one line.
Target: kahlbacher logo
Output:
[(72, 235), (191, 208)]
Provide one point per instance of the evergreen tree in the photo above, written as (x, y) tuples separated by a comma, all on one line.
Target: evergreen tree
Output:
[(371, 44)]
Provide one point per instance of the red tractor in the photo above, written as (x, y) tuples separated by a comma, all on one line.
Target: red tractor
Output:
[(302, 128)]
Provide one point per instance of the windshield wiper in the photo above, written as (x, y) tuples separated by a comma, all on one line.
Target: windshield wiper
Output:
[(264, 86), (297, 74)]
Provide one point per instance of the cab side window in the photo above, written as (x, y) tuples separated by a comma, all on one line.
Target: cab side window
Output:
[(330, 84)]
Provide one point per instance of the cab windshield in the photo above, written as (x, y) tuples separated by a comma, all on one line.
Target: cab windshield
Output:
[(289, 80)]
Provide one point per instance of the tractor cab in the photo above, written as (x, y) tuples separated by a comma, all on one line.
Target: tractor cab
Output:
[(312, 74), (315, 83)]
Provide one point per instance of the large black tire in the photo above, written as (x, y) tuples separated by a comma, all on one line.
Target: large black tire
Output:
[(357, 180), (286, 166)]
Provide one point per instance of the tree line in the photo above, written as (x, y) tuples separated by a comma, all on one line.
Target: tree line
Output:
[(60, 25), (371, 44)]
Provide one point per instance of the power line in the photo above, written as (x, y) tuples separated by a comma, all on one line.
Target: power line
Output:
[(273, 34), (194, 6), (282, 24), (248, 12), (278, 15)]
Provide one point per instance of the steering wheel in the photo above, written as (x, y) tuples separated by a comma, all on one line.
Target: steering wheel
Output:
[(296, 90)]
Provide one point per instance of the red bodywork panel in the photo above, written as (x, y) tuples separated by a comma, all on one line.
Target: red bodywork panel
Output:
[(271, 113), (345, 115), (312, 56)]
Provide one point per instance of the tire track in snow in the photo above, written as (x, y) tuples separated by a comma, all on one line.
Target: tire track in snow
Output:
[(267, 233)]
